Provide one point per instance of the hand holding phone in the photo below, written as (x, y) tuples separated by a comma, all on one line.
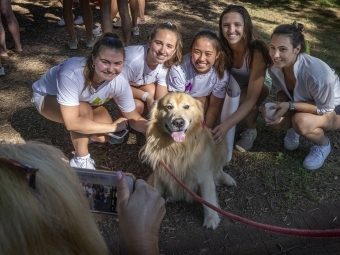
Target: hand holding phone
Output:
[(144, 206), (119, 135)]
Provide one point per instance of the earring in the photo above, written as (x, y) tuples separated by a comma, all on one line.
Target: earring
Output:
[(93, 65)]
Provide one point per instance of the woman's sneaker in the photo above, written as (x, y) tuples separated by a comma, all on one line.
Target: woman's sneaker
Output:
[(135, 31), (97, 31), (317, 156), (73, 45), (291, 140), (83, 162), (247, 140), (90, 42), (79, 20)]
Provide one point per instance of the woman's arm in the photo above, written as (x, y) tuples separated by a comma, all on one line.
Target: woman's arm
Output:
[(161, 91), (213, 110), (256, 81), (136, 121), (74, 121)]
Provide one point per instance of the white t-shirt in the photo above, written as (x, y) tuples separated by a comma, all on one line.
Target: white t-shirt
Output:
[(138, 72), (66, 81), (315, 82), (185, 79)]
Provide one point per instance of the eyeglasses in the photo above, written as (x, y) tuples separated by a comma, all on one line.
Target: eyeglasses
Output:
[(29, 170)]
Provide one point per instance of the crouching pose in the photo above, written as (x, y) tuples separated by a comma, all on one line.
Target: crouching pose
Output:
[(308, 97), (73, 93)]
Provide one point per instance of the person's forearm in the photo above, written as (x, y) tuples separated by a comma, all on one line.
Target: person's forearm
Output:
[(86, 126), (139, 125), (307, 107)]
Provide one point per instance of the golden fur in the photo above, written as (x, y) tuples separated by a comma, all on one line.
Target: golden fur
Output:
[(177, 136)]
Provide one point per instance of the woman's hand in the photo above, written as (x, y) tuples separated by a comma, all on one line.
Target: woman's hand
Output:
[(281, 109), (220, 132), (120, 124), (140, 215)]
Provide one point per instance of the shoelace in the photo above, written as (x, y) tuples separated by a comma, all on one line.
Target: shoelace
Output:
[(87, 161), (315, 151)]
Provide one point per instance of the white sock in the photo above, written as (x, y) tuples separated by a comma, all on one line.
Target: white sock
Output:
[(84, 157)]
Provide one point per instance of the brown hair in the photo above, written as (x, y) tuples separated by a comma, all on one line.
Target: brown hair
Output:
[(294, 33), (252, 42), (54, 218), (177, 57), (107, 40), (219, 64)]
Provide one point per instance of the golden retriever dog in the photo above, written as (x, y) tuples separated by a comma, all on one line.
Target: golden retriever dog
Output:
[(176, 135)]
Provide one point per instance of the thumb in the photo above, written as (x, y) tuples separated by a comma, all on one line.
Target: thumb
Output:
[(123, 192)]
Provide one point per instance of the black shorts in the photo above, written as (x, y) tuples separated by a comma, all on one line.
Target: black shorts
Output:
[(337, 110)]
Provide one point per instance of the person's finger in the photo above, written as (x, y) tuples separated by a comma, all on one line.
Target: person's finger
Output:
[(123, 192)]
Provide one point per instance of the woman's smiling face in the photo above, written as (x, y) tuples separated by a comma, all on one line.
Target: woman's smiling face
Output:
[(233, 27), (282, 52), (203, 55), (108, 64), (162, 47)]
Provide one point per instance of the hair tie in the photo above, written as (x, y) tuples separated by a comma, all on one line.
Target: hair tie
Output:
[(169, 24)]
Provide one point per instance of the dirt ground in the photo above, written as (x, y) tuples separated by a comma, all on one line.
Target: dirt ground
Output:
[(268, 177)]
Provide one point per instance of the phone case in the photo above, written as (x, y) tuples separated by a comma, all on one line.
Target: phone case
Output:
[(100, 189), (119, 135)]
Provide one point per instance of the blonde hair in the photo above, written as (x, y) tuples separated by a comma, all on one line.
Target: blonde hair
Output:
[(53, 218)]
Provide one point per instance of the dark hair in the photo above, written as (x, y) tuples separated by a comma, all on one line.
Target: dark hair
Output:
[(219, 64), (177, 57), (294, 33), (252, 41), (107, 40)]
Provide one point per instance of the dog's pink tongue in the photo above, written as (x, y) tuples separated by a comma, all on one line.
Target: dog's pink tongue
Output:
[(178, 136)]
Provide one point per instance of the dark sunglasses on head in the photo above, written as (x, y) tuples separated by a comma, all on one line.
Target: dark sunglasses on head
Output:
[(29, 170)]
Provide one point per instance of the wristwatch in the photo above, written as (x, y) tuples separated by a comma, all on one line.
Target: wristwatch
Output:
[(291, 106)]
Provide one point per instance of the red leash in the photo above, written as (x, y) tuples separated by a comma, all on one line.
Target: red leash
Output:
[(281, 230)]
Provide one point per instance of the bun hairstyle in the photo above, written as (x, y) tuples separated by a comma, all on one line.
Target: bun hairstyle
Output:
[(294, 33)]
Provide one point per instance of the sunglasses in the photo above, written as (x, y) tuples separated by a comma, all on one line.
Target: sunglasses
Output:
[(29, 170)]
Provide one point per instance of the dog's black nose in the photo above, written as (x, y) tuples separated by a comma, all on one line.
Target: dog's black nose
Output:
[(178, 122)]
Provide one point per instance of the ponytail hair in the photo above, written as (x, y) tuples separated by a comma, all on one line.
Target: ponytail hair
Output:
[(294, 33)]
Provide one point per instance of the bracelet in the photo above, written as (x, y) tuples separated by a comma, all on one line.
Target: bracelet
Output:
[(145, 96)]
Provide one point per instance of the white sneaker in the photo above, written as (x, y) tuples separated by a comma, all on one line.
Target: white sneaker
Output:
[(79, 20), (91, 42), (135, 31), (247, 140), (97, 31), (83, 162), (73, 45), (61, 22), (2, 71), (118, 23), (291, 141), (317, 156)]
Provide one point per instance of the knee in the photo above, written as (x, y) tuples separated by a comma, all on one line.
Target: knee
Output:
[(139, 106), (301, 123)]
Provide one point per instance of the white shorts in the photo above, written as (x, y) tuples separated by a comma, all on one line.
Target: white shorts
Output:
[(38, 100)]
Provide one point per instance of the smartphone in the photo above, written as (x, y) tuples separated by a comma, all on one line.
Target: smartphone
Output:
[(100, 189), (119, 135)]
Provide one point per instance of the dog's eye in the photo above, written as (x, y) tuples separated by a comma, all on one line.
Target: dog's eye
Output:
[(186, 107), (169, 107)]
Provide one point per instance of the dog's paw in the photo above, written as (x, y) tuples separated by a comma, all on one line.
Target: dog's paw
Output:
[(231, 181), (211, 221)]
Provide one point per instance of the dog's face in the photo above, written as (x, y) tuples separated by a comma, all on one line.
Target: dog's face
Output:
[(178, 114)]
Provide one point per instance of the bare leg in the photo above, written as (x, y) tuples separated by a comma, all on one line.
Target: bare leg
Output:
[(123, 9), (141, 5), (87, 17), (105, 20), (12, 23), (3, 49), (114, 9), (134, 12), (68, 17), (250, 119)]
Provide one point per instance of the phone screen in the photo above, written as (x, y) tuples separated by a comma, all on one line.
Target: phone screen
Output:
[(99, 188)]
